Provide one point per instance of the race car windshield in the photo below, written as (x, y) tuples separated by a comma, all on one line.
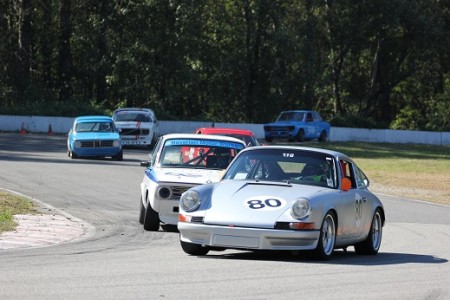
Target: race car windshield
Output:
[(290, 116), (94, 127), (285, 165), (210, 154), (128, 116)]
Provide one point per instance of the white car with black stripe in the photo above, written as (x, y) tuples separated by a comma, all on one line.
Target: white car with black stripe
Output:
[(179, 162)]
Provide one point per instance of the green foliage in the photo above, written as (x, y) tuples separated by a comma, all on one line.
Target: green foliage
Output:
[(366, 64), (354, 121), (407, 119), (57, 109)]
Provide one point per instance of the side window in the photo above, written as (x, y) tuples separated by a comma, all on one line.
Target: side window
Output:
[(309, 117), (347, 171), (361, 179), (156, 150)]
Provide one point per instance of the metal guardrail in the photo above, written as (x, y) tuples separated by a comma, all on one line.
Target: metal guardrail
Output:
[(62, 125)]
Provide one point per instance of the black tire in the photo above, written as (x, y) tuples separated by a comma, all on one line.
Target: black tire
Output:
[(154, 140), (142, 212), (323, 136), (327, 238), (72, 155), (151, 219), (371, 244), (118, 156), (300, 136), (194, 249)]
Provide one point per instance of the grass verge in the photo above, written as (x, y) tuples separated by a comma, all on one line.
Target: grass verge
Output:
[(10, 205), (414, 171)]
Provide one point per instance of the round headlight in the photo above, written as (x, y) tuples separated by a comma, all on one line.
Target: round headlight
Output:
[(190, 201), (164, 192), (300, 209), (77, 144), (116, 143)]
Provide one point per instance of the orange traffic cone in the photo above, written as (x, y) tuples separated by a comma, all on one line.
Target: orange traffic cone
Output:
[(50, 131), (22, 129)]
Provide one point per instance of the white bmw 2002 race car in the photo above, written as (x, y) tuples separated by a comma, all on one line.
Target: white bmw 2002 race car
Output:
[(283, 198), (179, 162)]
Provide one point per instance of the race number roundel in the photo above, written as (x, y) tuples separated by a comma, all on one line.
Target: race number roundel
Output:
[(264, 203)]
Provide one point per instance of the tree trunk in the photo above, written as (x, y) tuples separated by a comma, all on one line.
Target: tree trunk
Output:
[(102, 49), (65, 61), (25, 45)]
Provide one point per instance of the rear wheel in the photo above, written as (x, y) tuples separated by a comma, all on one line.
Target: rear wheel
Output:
[(327, 238), (371, 244), (194, 249), (151, 219), (300, 136)]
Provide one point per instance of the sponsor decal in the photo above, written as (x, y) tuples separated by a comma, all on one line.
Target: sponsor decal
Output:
[(178, 174), (205, 143)]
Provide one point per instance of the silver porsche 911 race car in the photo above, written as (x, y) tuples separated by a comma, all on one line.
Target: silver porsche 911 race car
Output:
[(283, 198), (179, 162)]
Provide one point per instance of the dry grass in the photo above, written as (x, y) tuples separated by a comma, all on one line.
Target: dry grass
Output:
[(10, 205), (419, 172)]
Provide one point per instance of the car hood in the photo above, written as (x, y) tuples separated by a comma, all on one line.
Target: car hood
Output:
[(254, 204), (84, 136), (184, 175)]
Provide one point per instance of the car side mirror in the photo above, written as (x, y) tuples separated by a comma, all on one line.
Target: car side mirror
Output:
[(346, 184), (145, 163)]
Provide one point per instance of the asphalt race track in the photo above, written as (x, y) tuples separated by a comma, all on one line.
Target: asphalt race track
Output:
[(119, 260)]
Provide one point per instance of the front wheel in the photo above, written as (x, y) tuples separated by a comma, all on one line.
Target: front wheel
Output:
[(118, 156), (142, 212), (327, 238), (300, 136), (151, 219), (371, 244), (72, 155), (194, 249)]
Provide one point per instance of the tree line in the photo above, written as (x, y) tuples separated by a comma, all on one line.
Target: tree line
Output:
[(365, 63)]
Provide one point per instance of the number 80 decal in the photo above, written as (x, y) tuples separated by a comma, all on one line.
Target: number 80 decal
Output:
[(264, 203)]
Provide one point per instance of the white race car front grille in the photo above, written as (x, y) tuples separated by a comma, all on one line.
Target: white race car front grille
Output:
[(178, 190)]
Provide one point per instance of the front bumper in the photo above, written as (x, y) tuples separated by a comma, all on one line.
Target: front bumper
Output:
[(248, 238), (96, 152), (168, 211)]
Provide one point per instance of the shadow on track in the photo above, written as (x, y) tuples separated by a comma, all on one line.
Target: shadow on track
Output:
[(339, 257)]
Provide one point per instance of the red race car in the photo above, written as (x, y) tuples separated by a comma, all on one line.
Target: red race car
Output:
[(245, 135)]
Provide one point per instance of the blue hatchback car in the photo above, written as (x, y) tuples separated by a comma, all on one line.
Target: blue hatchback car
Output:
[(94, 136)]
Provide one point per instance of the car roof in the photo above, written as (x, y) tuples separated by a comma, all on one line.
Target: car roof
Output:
[(148, 110), (202, 136), (209, 130), (312, 149), (93, 118)]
